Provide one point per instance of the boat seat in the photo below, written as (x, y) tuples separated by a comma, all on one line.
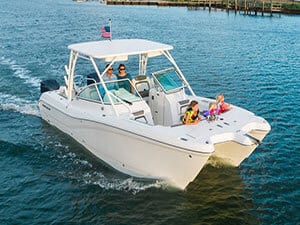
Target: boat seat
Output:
[(94, 95), (142, 85)]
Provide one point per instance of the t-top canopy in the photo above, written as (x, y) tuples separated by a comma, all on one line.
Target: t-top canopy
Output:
[(121, 49)]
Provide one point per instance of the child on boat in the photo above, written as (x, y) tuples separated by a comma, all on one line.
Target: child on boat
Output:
[(192, 114), (213, 109), (221, 105)]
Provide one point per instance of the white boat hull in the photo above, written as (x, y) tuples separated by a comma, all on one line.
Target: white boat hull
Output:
[(131, 153)]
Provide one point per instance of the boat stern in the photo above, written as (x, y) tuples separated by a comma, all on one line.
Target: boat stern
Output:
[(234, 147)]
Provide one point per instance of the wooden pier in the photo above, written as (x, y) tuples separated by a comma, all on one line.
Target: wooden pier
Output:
[(246, 7)]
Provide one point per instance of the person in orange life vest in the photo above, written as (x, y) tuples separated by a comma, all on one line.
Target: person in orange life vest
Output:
[(192, 114)]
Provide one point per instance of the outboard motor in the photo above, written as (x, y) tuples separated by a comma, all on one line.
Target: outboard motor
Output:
[(49, 85)]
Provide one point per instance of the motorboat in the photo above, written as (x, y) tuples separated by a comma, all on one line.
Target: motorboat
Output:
[(139, 131)]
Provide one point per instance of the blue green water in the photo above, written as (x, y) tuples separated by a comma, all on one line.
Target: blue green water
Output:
[(46, 178)]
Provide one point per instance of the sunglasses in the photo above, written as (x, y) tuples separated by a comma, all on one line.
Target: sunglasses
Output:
[(122, 69), (110, 69)]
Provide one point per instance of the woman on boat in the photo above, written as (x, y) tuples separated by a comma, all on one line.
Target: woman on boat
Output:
[(192, 114), (109, 74), (123, 75)]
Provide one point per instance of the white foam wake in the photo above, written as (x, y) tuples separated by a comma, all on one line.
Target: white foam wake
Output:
[(92, 177), (20, 72), (10, 102), (128, 185)]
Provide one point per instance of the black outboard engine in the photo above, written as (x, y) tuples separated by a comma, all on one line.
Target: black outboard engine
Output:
[(49, 85)]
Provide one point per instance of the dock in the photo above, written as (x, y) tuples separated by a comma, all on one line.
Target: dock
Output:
[(246, 7)]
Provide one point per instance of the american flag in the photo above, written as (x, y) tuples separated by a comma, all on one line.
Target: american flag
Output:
[(105, 32)]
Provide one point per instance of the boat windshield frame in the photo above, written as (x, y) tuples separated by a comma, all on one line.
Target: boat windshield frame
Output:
[(169, 84), (119, 94), (115, 89)]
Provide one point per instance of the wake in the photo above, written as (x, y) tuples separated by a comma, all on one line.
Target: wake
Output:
[(127, 185), (16, 104), (84, 172), (20, 72)]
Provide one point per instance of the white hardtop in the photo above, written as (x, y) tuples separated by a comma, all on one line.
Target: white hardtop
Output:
[(120, 48)]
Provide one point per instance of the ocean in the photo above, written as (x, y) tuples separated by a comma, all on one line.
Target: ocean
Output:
[(47, 178)]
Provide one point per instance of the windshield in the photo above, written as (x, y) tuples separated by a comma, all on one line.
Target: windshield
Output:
[(168, 79), (119, 90)]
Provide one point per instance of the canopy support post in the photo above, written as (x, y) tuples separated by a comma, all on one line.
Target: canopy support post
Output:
[(102, 81), (143, 60), (70, 72)]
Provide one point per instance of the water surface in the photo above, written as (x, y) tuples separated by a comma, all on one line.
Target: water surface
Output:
[(46, 177)]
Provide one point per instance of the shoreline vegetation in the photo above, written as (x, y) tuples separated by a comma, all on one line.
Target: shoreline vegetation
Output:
[(249, 7)]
